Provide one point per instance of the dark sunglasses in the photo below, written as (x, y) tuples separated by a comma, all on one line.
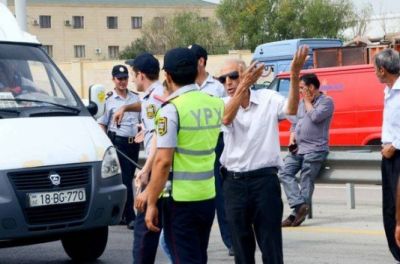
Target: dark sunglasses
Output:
[(122, 79), (232, 75)]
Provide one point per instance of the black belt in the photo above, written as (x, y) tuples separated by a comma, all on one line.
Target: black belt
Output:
[(128, 140), (251, 174)]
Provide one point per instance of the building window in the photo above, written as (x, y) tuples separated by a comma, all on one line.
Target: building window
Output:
[(113, 52), (45, 21), (48, 49), (78, 21), (79, 51), (159, 21), (136, 22), (112, 22)]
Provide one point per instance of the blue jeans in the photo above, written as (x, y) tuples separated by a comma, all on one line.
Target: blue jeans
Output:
[(309, 165), (254, 211)]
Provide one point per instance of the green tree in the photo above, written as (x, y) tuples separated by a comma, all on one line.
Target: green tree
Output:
[(244, 21), (258, 21), (179, 30), (131, 51)]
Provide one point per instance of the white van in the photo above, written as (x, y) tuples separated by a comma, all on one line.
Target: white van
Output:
[(59, 173)]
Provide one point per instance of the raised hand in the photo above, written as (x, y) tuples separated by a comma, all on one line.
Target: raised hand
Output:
[(299, 59), (249, 76)]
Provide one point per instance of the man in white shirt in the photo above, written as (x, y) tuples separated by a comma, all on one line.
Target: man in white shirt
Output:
[(251, 159), (387, 67)]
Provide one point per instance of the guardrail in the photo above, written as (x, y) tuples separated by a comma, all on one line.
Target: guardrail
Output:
[(347, 165), (350, 166)]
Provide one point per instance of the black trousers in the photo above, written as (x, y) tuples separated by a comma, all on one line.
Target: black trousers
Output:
[(145, 242), (390, 176), (187, 227), (128, 171), (219, 198), (254, 211)]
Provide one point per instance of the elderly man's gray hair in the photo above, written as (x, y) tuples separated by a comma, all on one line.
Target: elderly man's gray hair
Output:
[(239, 62), (388, 59)]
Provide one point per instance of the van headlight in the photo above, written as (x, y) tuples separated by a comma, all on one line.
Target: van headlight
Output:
[(110, 166)]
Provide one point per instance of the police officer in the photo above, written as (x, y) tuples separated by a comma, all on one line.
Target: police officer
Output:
[(123, 135), (208, 84), (146, 69), (189, 212)]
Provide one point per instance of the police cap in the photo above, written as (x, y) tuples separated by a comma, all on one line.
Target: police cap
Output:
[(120, 71), (198, 51), (146, 63), (180, 61)]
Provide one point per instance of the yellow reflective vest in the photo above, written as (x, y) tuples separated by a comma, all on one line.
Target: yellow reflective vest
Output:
[(199, 116)]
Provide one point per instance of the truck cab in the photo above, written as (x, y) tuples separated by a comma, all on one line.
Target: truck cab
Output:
[(278, 55), (60, 177)]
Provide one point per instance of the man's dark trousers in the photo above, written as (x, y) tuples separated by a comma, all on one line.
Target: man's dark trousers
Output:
[(219, 198), (390, 176), (187, 227), (128, 170), (145, 242), (254, 210)]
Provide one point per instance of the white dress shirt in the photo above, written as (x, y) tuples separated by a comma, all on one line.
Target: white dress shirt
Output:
[(252, 139), (212, 87), (391, 116)]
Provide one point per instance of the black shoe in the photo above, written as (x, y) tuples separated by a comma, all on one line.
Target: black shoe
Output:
[(301, 215), (288, 221), (131, 225), (231, 253)]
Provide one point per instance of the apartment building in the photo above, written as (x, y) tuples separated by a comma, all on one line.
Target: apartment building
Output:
[(99, 29)]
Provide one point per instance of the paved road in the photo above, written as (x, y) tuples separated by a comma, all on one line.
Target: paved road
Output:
[(335, 235)]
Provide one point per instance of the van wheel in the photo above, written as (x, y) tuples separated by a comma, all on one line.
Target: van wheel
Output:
[(86, 245)]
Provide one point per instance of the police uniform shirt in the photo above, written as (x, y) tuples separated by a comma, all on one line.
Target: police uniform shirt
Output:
[(150, 106), (252, 139), (212, 87), (130, 120), (167, 122)]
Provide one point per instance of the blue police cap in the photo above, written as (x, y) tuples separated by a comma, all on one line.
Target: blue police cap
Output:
[(180, 60), (120, 71), (146, 63), (198, 51)]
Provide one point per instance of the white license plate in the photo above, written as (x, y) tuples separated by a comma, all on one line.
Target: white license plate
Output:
[(60, 197)]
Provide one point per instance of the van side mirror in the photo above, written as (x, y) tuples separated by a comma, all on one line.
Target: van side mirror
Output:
[(97, 98)]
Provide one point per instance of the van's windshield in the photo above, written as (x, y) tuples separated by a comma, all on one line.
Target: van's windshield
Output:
[(29, 80)]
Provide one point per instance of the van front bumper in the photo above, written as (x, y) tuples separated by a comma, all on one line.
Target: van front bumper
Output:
[(104, 205)]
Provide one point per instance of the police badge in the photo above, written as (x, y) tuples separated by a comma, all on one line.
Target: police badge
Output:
[(150, 111), (162, 126)]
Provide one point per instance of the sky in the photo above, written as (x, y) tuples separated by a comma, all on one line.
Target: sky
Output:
[(387, 6)]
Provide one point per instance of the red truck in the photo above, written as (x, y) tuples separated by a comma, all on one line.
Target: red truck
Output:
[(358, 98)]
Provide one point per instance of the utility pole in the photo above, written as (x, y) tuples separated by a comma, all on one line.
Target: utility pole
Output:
[(20, 13)]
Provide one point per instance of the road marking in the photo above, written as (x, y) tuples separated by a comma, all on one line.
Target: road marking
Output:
[(335, 230)]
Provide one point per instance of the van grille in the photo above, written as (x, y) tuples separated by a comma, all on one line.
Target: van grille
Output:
[(55, 213), (39, 180)]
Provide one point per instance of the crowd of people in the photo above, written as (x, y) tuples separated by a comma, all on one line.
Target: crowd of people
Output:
[(212, 145)]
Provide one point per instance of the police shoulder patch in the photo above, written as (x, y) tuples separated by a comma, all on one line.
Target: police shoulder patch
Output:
[(151, 111), (162, 126)]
